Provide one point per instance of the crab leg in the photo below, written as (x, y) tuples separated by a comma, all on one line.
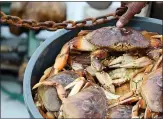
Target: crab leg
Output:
[(129, 97), (87, 85), (132, 99), (138, 63), (135, 110), (78, 86), (142, 104), (85, 73), (116, 61), (89, 77), (157, 64), (119, 82), (148, 69), (42, 112), (73, 83), (147, 114), (91, 70), (49, 115), (46, 74)]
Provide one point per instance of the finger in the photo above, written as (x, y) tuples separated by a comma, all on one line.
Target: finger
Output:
[(133, 8), (124, 19)]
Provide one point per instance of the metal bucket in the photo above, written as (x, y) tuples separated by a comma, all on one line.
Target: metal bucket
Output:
[(45, 54)]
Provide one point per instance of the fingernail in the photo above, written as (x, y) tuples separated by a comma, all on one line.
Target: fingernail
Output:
[(119, 24)]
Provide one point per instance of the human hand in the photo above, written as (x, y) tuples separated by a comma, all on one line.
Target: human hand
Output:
[(132, 9)]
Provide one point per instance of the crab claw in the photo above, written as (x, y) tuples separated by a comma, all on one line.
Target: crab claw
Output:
[(110, 95), (138, 63), (81, 44), (121, 60), (158, 37), (78, 86), (61, 59), (73, 83), (105, 80), (96, 57)]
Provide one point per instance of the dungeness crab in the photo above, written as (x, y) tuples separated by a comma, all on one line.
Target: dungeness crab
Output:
[(106, 73), (104, 40)]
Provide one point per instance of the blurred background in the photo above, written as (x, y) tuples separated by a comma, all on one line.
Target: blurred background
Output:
[(18, 44)]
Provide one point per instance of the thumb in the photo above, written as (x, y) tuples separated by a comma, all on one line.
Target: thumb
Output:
[(124, 19)]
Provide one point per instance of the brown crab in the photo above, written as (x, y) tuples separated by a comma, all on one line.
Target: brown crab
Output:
[(86, 99), (108, 38), (153, 96), (48, 95), (120, 111), (149, 96)]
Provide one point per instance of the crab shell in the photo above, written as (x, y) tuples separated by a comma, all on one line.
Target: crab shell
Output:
[(120, 111), (118, 39), (89, 103), (48, 95), (151, 90)]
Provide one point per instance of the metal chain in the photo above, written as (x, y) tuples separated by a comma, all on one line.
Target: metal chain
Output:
[(53, 26)]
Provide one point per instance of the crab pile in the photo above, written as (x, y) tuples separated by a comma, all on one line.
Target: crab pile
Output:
[(105, 73)]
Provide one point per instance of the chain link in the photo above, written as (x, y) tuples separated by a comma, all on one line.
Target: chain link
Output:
[(53, 26)]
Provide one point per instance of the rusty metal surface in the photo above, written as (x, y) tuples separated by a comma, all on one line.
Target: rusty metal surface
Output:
[(52, 26)]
